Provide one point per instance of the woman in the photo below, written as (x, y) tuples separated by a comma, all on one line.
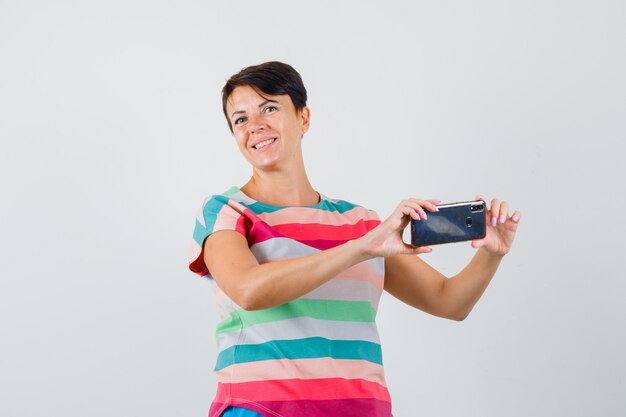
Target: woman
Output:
[(299, 275)]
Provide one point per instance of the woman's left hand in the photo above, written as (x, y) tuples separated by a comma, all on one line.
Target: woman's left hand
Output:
[(501, 228)]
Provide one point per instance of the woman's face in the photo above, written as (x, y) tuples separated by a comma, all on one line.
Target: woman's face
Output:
[(268, 129)]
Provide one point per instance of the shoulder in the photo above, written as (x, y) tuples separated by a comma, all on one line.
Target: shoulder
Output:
[(215, 202), (346, 206)]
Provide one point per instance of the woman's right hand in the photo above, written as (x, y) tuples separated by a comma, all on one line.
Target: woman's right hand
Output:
[(386, 239)]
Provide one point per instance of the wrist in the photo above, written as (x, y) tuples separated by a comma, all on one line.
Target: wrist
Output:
[(359, 248), (494, 256)]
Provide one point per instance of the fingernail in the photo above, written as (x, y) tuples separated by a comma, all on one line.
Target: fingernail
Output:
[(502, 218), (425, 216), (515, 218), (493, 222)]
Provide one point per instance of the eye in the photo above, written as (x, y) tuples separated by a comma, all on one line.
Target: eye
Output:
[(270, 109), (239, 120)]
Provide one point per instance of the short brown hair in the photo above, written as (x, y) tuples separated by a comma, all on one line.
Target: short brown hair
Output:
[(272, 78)]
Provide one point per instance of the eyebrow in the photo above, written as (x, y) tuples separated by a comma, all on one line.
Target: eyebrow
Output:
[(260, 105)]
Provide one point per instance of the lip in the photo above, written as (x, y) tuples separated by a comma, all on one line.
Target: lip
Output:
[(262, 139)]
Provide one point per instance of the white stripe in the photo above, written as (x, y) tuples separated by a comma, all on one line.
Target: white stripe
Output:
[(299, 328), (282, 248)]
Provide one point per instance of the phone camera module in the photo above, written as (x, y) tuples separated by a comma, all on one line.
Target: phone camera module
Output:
[(477, 207)]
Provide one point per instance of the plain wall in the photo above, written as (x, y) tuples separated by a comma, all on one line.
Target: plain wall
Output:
[(112, 134)]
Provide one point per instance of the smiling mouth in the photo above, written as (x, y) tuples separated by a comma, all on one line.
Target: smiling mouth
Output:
[(261, 145)]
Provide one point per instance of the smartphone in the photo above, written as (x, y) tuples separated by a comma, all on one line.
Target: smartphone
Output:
[(454, 222)]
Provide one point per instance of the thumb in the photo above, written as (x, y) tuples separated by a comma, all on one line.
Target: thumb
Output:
[(478, 243), (416, 250)]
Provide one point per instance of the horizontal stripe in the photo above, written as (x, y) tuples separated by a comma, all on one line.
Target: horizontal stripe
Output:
[(362, 272), (304, 389), (357, 407), (332, 236), (347, 290), (284, 248), (257, 207), (312, 347), (366, 272), (318, 309), (304, 215), (303, 369), (299, 328), (311, 231), (280, 248), (261, 232)]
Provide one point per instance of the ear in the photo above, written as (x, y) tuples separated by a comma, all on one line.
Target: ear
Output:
[(305, 120)]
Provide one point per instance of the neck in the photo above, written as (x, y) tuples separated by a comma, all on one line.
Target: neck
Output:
[(288, 187)]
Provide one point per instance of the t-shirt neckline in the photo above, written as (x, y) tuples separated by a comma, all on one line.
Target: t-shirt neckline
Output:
[(251, 200)]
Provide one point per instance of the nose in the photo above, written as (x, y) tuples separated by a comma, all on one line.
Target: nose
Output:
[(255, 124)]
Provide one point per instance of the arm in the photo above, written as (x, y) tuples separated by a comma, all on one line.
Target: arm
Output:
[(414, 282), (254, 286)]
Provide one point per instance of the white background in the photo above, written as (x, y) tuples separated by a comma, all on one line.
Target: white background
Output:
[(112, 133)]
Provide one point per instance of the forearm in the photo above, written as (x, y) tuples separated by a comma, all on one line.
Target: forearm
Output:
[(278, 282), (464, 290)]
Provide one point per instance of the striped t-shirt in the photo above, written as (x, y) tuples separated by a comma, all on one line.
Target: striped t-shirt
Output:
[(318, 355)]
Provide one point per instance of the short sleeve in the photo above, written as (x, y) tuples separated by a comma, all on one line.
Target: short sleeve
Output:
[(216, 213)]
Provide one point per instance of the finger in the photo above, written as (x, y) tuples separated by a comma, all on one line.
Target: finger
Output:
[(417, 207), (504, 212), (408, 211), (414, 210), (480, 197), (517, 216), (495, 211), (430, 205)]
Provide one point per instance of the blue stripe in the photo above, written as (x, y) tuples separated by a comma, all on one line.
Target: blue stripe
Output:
[(211, 210), (199, 233), (308, 348), (339, 206), (239, 412)]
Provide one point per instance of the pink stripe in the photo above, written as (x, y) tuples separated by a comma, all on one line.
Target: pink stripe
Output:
[(304, 368), (261, 232), (362, 271), (303, 389), (331, 218), (345, 408), (226, 219), (303, 231)]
